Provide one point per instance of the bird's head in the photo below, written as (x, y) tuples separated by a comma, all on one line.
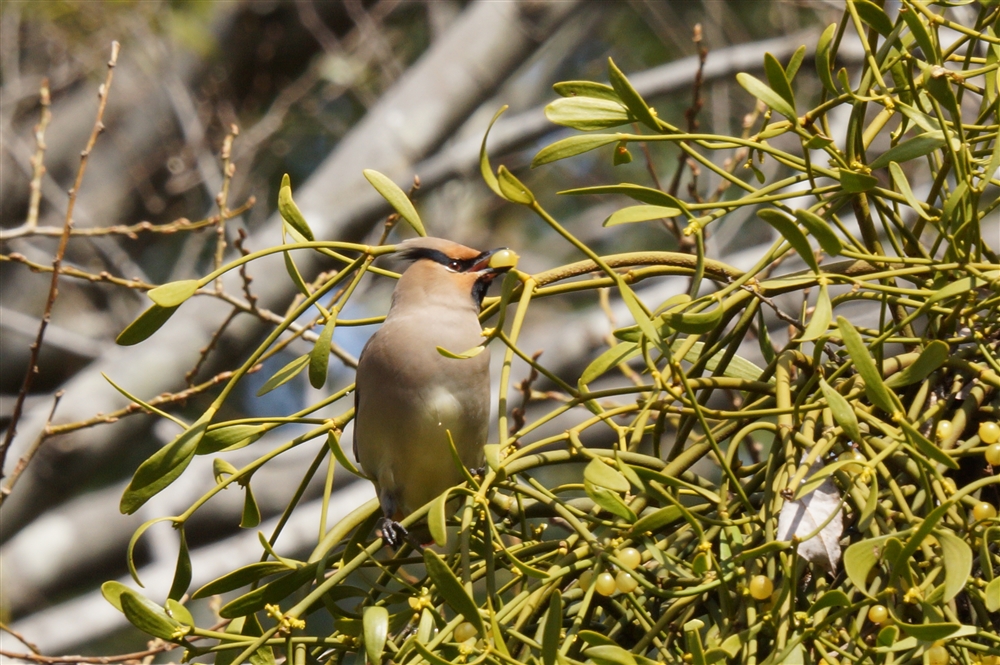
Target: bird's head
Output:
[(445, 267)]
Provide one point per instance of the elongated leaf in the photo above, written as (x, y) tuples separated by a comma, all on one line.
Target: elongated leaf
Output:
[(761, 91), (657, 520), (295, 275), (610, 501), (860, 558), (452, 590), (178, 612), (251, 513), (637, 192), (875, 388), (824, 59), (587, 114), (174, 293), (284, 375), (437, 519), (319, 357), (874, 16), (933, 356), (643, 213), (925, 446), (461, 355), (513, 189), (887, 636), (918, 146), (606, 476), (843, 412), (613, 357), (792, 233), (145, 325), (485, 170), (795, 62), (821, 317), (992, 594), (240, 577), (586, 89), (290, 212), (376, 630), (920, 33), (145, 405), (929, 632), (694, 323), (778, 80), (182, 571), (820, 229), (222, 469), (143, 616), (232, 437), (572, 146), (957, 557), (738, 367), (333, 443), (610, 654), (904, 188), (632, 100), (397, 198), (855, 182), (271, 593), (638, 313), (553, 626), (832, 598), (163, 467)]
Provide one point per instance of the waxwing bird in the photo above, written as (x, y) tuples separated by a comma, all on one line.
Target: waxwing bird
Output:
[(409, 396)]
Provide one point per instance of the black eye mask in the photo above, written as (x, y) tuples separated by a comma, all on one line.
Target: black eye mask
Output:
[(458, 265)]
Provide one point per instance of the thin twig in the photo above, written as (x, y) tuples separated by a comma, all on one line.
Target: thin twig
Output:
[(692, 112), (29, 454), (57, 261), (21, 638), (517, 414), (212, 343), (222, 199), (247, 279), (38, 161)]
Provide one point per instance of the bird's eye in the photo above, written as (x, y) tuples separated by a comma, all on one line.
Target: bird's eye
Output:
[(455, 265)]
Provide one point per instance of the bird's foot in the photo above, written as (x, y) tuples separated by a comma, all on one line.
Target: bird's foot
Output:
[(478, 472), (393, 533)]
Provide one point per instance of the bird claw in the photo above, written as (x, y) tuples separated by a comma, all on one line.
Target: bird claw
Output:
[(393, 533)]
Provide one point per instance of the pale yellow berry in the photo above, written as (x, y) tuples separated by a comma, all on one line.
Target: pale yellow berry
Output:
[(630, 557), (504, 258), (761, 587), (464, 631), (605, 584), (878, 614), (937, 655), (943, 430), (983, 511), (625, 582), (993, 455), (989, 432), (856, 461), (586, 578)]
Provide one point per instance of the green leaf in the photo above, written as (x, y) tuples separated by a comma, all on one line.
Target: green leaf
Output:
[(610, 501), (145, 405), (271, 593), (145, 325), (221, 469), (610, 654), (240, 577), (163, 467), (920, 33), (621, 155), (613, 357), (957, 558), (147, 616), (925, 446), (638, 313), (832, 598), (333, 443), (632, 100), (887, 636), (173, 293), (791, 233), (319, 357), (918, 146), (824, 59), (484, 161), (643, 213), (553, 626), (843, 412), (820, 229), (464, 355), (295, 275), (376, 630), (738, 367), (290, 212), (777, 79), (860, 558), (861, 355), (231, 437), (251, 513), (602, 475), (821, 317), (855, 183), (992, 594), (818, 142), (397, 198), (572, 146), (795, 62), (587, 114), (637, 192), (284, 375), (586, 89), (437, 519), (931, 357), (178, 612), (182, 571), (758, 89), (904, 188), (452, 590), (874, 16), (657, 520), (929, 632), (112, 592), (960, 287), (513, 189), (693, 323)]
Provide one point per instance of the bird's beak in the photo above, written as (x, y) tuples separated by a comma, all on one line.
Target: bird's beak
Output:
[(496, 262)]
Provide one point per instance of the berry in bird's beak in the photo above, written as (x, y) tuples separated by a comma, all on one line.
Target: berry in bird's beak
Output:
[(503, 259)]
